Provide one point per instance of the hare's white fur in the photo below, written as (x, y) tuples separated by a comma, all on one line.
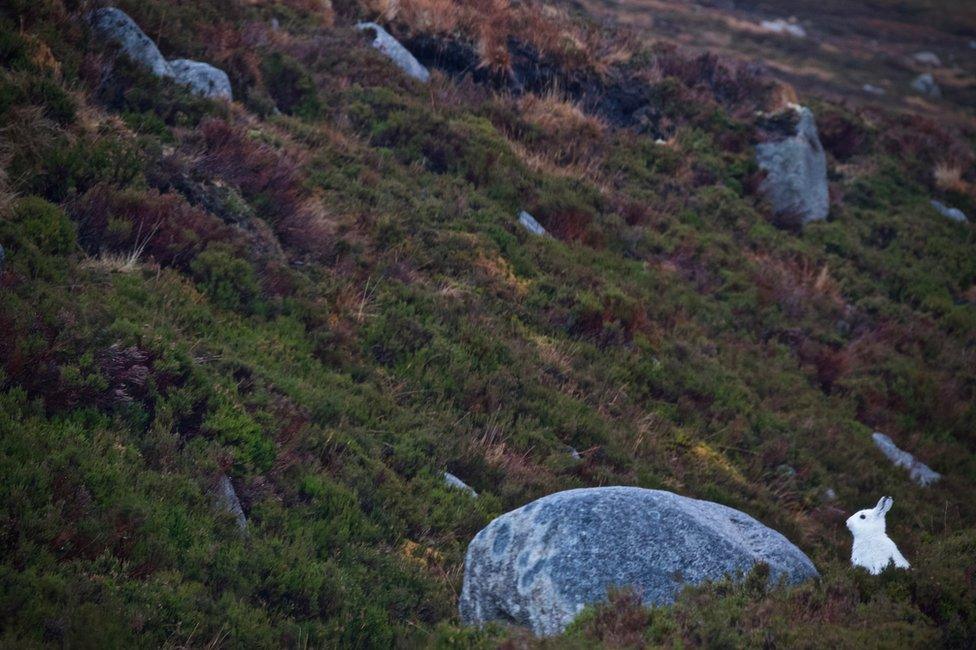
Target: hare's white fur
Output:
[(873, 549)]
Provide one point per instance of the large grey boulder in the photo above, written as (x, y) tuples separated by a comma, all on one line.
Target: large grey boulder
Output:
[(394, 51), (202, 78), (115, 25), (796, 171), (540, 565), (917, 470)]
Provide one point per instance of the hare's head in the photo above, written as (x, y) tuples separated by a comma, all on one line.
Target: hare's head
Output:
[(867, 522)]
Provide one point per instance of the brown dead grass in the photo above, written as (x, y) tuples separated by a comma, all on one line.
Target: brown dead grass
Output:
[(948, 177), (489, 25)]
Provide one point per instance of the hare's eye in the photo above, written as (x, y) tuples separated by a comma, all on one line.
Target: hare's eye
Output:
[(863, 517)]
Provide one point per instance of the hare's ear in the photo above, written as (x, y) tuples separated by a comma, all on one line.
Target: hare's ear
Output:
[(884, 505)]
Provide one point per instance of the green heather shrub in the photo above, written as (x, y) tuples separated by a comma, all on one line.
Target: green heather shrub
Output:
[(61, 168), (228, 279), (36, 89), (152, 104), (290, 85), (254, 448), (45, 225)]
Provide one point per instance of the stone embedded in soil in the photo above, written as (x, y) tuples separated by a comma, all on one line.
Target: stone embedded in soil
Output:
[(530, 224), (926, 85), (917, 470), (949, 212), (540, 565), (796, 171), (458, 484), (393, 50), (202, 78)]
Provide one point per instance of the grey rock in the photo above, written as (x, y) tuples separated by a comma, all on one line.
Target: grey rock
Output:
[(202, 78), (540, 565), (530, 224), (828, 495), (394, 51), (575, 455), (115, 25), (458, 484), (785, 27), (796, 171), (225, 498), (917, 470), (873, 90), (925, 84), (949, 212), (928, 58)]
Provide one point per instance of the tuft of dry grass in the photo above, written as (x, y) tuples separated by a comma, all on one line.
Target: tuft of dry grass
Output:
[(556, 114), (948, 177)]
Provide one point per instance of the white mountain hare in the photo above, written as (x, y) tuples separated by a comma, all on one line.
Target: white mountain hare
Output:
[(873, 549)]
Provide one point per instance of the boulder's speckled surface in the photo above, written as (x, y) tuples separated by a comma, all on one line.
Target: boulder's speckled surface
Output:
[(394, 51), (115, 25), (202, 78), (539, 565), (796, 171)]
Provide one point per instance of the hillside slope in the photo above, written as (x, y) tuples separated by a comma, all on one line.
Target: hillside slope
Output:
[(321, 292)]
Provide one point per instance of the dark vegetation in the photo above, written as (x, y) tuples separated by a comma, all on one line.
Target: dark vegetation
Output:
[(332, 303)]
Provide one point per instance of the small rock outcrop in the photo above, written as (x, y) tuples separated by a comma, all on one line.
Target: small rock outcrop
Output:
[(949, 212), (540, 565), (871, 89), (458, 484), (786, 27), (530, 224), (926, 85), (796, 171), (115, 25), (202, 78), (917, 470), (225, 499), (394, 51), (928, 58)]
